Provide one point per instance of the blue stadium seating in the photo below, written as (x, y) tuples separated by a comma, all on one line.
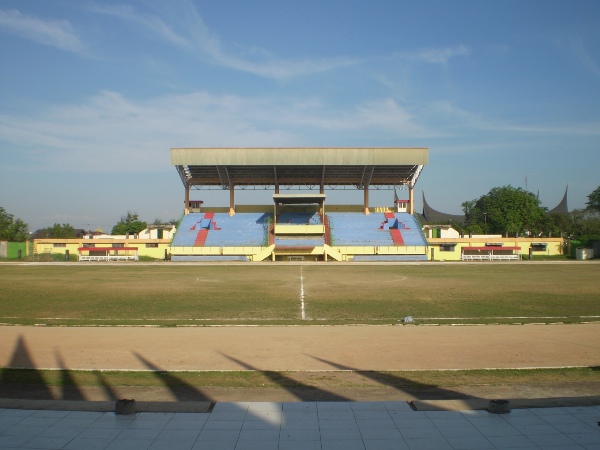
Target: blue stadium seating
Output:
[(242, 229), (360, 229), (299, 218)]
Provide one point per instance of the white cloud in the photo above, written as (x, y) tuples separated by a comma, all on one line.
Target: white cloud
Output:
[(189, 31), (440, 55), (113, 133), (56, 33), (583, 55)]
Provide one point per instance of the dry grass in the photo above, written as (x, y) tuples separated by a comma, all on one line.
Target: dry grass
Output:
[(170, 294)]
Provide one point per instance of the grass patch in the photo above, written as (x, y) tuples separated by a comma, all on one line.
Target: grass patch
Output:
[(284, 380), (195, 295)]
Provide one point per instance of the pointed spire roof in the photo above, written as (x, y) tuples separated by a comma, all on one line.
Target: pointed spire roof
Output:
[(562, 207), (434, 217)]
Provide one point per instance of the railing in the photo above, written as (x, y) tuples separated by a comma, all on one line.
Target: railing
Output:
[(108, 258), (420, 227), (491, 257)]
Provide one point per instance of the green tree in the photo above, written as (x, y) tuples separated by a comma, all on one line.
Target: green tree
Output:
[(12, 230), (504, 210), (58, 231), (129, 224), (593, 203), (586, 225)]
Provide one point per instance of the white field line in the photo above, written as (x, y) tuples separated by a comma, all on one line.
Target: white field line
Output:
[(490, 369), (258, 319), (302, 310)]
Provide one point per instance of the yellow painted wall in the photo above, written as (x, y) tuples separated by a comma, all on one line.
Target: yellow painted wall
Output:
[(554, 246), (56, 245)]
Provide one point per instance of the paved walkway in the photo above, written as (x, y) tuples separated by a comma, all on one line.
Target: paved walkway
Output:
[(303, 426)]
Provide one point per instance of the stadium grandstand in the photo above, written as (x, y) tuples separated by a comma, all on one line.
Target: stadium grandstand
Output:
[(300, 226)]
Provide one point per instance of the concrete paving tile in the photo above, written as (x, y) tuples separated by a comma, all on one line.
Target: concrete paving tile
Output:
[(230, 406), (60, 432), (381, 434), (347, 424), (169, 444), (345, 444), (592, 438), (259, 435), (511, 442), (257, 445), (47, 442), (50, 414), (300, 424), (74, 422), (299, 445), (265, 406), (223, 425), (460, 431), (300, 406), (32, 421), (552, 440), (227, 416), (398, 406), (370, 406), (340, 434), (178, 435), (260, 425), (328, 406), (469, 443), (531, 430), (17, 412), (219, 435), (215, 445), (382, 444), (19, 430), (421, 433), (373, 423), (138, 433), (88, 444), (129, 444), (372, 414), (13, 441), (336, 415), (498, 430), (186, 423), (427, 444), (99, 433), (310, 434)]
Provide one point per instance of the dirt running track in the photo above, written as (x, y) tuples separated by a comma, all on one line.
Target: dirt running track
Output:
[(301, 348)]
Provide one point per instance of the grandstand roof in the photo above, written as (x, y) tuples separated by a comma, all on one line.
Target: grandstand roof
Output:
[(287, 167)]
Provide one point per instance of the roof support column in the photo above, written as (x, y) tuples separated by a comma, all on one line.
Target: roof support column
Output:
[(366, 201), (186, 208), (231, 199), (411, 200)]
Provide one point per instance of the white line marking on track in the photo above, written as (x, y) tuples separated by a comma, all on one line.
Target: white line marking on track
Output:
[(302, 294)]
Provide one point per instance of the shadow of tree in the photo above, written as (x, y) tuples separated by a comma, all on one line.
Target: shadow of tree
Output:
[(68, 385), (422, 391), (29, 378), (180, 389), (300, 390)]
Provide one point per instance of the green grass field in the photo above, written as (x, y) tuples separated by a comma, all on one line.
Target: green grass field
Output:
[(169, 294)]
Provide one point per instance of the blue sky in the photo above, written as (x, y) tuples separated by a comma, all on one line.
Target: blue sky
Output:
[(94, 93)]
